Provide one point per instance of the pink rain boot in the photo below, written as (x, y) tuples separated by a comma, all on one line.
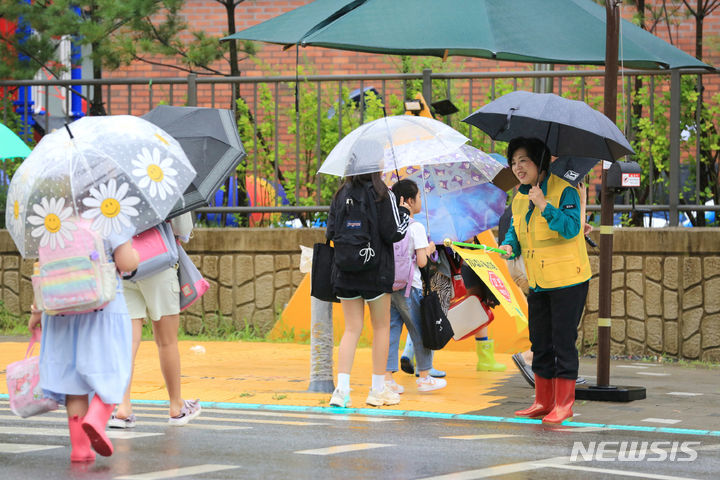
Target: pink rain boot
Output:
[(94, 424), (81, 451)]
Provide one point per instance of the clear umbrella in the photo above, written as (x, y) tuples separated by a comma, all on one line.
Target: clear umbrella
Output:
[(391, 143), (120, 173)]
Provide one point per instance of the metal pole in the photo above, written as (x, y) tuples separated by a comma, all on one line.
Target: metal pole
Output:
[(607, 200), (192, 90), (427, 86), (674, 147), (321, 346)]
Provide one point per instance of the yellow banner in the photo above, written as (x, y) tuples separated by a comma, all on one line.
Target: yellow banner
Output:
[(484, 266)]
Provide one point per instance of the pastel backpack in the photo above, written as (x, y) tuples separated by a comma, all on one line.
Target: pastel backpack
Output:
[(404, 263), (75, 278), (157, 249)]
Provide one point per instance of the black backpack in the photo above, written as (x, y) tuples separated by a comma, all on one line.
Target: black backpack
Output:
[(355, 231)]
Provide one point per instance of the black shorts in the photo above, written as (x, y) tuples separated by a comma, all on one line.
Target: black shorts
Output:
[(367, 295)]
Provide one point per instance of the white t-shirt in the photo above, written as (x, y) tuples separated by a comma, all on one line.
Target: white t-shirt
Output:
[(418, 239)]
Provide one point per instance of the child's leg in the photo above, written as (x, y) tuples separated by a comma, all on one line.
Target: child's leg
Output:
[(380, 318), (354, 312), (396, 324), (423, 356), (165, 331), (124, 410), (76, 405)]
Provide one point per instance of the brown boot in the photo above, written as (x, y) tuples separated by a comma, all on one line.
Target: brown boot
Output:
[(564, 399), (544, 399)]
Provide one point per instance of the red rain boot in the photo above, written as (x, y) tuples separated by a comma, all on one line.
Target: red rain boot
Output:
[(81, 451), (564, 399), (94, 425), (544, 399)]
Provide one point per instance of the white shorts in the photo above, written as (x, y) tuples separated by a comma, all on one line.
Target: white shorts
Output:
[(155, 296)]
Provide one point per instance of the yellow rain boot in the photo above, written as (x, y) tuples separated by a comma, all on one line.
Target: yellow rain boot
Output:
[(486, 357)]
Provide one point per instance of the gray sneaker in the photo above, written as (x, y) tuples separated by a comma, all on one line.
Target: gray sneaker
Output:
[(117, 422)]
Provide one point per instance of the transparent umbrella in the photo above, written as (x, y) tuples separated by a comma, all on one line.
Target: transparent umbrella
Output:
[(391, 143), (120, 173)]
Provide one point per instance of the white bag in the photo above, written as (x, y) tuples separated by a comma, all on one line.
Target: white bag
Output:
[(467, 315), (306, 255)]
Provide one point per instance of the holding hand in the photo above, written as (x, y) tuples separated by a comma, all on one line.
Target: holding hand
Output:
[(537, 197), (430, 248), (35, 317), (508, 251)]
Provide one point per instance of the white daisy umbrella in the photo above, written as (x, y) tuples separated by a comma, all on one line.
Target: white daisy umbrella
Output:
[(121, 174)]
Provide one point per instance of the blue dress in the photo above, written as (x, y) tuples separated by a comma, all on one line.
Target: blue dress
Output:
[(87, 353)]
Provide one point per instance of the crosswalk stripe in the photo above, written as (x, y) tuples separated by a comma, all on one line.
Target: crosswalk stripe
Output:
[(479, 437), (56, 419), (667, 421), (653, 374), (178, 472), (63, 432), (354, 447), (25, 447)]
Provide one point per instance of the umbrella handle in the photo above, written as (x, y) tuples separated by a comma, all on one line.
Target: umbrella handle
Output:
[(448, 243)]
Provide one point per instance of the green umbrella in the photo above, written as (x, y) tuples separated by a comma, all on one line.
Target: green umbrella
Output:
[(537, 31), (11, 146)]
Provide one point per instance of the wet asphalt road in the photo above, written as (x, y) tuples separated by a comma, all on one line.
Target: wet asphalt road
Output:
[(242, 443)]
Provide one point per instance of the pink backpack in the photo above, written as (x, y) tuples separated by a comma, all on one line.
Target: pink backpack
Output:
[(157, 249), (404, 263), (76, 278)]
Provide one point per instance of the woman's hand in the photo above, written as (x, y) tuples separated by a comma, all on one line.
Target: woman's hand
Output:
[(430, 249), (508, 251), (587, 228), (537, 196)]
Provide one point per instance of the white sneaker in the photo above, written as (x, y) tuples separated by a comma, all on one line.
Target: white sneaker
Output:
[(394, 386), (340, 399), (384, 397), (428, 384)]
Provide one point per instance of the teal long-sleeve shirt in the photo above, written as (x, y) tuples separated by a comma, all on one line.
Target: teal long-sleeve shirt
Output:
[(564, 219)]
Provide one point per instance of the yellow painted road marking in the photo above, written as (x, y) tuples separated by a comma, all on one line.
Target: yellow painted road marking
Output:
[(354, 447)]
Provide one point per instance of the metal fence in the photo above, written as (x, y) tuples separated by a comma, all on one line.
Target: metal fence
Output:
[(276, 97)]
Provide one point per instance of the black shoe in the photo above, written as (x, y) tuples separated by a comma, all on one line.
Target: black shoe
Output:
[(525, 369), (406, 365)]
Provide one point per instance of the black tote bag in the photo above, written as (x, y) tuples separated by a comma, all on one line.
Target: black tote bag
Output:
[(436, 330), (321, 273)]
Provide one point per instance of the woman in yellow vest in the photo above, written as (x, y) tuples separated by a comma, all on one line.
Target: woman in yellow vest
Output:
[(547, 231)]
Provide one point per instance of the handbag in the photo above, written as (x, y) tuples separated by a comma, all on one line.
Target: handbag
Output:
[(435, 330), (192, 284), (23, 379), (321, 274), (467, 315)]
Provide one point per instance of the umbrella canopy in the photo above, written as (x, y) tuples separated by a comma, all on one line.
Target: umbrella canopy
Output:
[(391, 143), (121, 173), (210, 139), (568, 127), (572, 169), (458, 199), (11, 146), (572, 31)]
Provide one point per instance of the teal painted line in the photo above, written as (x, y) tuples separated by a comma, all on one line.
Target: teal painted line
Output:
[(419, 414), (682, 431)]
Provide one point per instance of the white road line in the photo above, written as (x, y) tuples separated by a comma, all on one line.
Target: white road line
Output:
[(354, 447), (623, 473), (684, 394), (631, 366), (666, 421), (653, 374), (178, 472), (25, 447), (647, 364), (63, 432), (581, 429), (708, 448), (501, 469), (263, 413), (479, 437), (57, 419)]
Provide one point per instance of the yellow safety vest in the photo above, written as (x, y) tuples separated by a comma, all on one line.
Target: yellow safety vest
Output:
[(551, 261)]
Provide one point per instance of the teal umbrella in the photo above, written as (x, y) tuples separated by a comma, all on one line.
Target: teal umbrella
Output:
[(11, 146), (536, 31)]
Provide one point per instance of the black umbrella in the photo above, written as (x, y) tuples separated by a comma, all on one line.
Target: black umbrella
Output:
[(211, 141), (568, 127), (572, 169)]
